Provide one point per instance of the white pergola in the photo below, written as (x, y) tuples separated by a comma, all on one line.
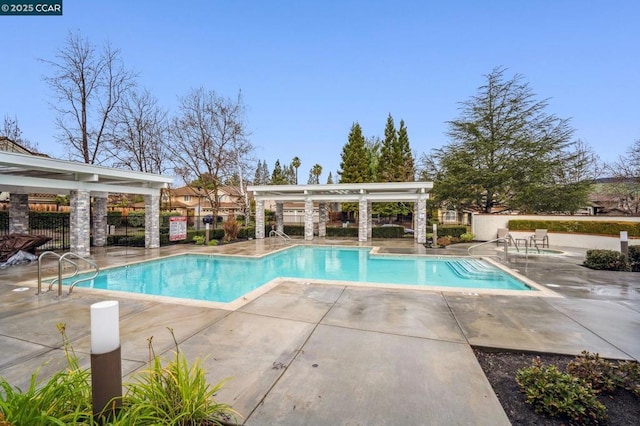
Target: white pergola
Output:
[(21, 174), (362, 193)]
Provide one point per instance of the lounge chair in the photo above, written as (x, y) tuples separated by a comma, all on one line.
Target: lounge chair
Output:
[(540, 236)]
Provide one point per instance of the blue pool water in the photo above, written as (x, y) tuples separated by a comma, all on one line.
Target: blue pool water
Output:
[(225, 278)]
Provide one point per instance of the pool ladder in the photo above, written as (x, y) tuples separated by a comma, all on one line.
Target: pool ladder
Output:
[(285, 237), (62, 259)]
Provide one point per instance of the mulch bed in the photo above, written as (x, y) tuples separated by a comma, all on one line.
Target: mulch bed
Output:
[(500, 368)]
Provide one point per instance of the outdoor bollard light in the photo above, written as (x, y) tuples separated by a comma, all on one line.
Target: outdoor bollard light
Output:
[(106, 364), (624, 243), (206, 237)]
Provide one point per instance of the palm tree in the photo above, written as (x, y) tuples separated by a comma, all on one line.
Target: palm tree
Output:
[(314, 174), (296, 163)]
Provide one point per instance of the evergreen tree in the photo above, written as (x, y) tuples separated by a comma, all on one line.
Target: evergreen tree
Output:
[(373, 146), (278, 177), (265, 174), (257, 177), (330, 179), (407, 165), (389, 161), (354, 165), (505, 151)]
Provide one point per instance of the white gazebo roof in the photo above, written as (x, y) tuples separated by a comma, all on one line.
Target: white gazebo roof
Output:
[(21, 173), (344, 192)]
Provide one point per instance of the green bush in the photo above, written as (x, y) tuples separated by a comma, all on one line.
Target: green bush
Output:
[(609, 260), (387, 232), (48, 220), (114, 218), (634, 258), (599, 373), (291, 230), (135, 219), (629, 376), (444, 241), (247, 232), (198, 239), (560, 395), (451, 230), (212, 243), (467, 237), (577, 226), (351, 232)]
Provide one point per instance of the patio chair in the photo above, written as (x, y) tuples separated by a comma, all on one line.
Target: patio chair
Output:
[(540, 236), (503, 234)]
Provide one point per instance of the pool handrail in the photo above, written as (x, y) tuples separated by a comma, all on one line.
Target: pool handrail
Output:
[(506, 242), (58, 279)]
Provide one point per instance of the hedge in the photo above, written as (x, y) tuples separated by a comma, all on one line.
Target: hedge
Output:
[(577, 226), (609, 260), (451, 230)]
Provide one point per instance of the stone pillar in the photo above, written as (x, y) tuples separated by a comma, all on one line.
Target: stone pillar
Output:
[(363, 219), (369, 220), (279, 216), (100, 221), (420, 214), (259, 219), (308, 219), (80, 222), (152, 221), (322, 219), (18, 213)]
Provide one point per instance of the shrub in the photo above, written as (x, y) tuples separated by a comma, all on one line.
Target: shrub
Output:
[(231, 228), (577, 226), (443, 241), (629, 376), (634, 258), (63, 399), (609, 260), (212, 243), (467, 237), (135, 219), (560, 395), (342, 232), (198, 239), (387, 232), (175, 393), (452, 230), (599, 373)]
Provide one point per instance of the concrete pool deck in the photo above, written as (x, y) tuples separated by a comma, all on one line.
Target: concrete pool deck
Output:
[(314, 353)]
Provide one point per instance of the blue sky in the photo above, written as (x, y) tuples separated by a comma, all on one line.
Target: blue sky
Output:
[(309, 69)]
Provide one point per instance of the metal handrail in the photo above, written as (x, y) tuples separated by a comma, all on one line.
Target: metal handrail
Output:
[(58, 279), (506, 242), (280, 234)]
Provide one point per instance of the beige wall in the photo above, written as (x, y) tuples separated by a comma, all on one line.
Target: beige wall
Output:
[(485, 228)]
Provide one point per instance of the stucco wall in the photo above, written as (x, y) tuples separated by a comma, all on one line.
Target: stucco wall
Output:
[(485, 228)]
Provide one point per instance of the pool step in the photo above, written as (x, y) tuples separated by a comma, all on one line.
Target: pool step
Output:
[(475, 269)]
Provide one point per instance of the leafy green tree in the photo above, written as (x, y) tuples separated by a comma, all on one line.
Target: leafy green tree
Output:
[(505, 150), (354, 167), (296, 163)]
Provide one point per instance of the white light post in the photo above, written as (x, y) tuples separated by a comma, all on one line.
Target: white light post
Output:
[(624, 244), (106, 364)]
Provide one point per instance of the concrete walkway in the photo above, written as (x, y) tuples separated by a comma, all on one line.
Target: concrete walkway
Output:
[(318, 354)]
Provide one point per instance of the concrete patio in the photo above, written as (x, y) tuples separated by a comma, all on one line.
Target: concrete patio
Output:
[(316, 353)]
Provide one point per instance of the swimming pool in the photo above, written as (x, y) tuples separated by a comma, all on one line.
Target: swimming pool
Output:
[(226, 278)]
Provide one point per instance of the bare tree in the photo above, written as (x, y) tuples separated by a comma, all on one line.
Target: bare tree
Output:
[(209, 141), (87, 86), (11, 129), (139, 128), (624, 186)]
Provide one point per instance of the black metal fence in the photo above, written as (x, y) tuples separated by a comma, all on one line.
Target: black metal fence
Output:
[(52, 225)]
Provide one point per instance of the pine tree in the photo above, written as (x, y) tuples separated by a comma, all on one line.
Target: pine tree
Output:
[(265, 175), (330, 179), (278, 176), (257, 178), (389, 160), (407, 164), (354, 165)]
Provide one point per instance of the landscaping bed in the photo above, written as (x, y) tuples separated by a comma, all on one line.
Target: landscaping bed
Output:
[(623, 407)]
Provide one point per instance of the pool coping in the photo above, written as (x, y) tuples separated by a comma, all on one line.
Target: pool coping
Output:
[(537, 290)]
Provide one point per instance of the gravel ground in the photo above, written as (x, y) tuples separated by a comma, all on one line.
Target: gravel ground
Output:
[(500, 368)]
